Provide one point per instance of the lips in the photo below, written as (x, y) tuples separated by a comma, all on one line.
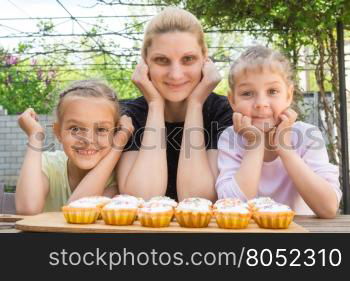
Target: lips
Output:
[(176, 86), (86, 152)]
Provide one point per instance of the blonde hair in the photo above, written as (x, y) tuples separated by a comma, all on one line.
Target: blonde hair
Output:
[(173, 19), (88, 88), (258, 57)]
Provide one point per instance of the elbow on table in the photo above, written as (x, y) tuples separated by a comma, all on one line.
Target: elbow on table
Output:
[(27, 210), (328, 213)]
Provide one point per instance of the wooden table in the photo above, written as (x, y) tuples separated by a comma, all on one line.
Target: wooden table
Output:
[(340, 224)]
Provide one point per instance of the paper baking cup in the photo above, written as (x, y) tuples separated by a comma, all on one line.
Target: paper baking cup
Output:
[(119, 216), (232, 220), (80, 215), (154, 219), (273, 220), (193, 219)]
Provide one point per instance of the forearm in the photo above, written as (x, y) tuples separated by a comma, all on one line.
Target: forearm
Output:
[(249, 172), (148, 176), (315, 190), (94, 183), (30, 190), (195, 177)]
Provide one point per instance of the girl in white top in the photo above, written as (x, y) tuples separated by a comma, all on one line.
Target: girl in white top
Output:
[(268, 153), (87, 116)]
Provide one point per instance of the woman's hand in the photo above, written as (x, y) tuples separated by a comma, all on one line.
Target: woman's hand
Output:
[(243, 126), (282, 135), (211, 78), (141, 79), (28, 121), (125, 130)]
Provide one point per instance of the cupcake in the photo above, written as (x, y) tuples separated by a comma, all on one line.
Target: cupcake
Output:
[(232, 216), (227, 202), (256, 203), (81, 212), (165, 200), (99, 201), (129, 198), (194, 212), (198, 200), (155, 214), (118, 212), (274, 216)]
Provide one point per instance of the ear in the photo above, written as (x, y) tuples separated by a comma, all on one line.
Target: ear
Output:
[(290, 93), (57, 131)]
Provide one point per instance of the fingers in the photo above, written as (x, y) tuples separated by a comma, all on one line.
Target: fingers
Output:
[(125, 124), (237, 121)]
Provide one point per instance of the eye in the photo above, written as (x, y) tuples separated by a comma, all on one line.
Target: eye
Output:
[(161, 60), (102, 130), (188, 59), (273, 92), (77, 130), (246, 94)]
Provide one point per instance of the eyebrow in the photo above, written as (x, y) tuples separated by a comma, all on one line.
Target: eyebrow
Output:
[(81, 123), (249, 84)]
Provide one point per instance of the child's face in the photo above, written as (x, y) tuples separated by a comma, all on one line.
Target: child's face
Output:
[(175, 62), (262, 96), (85, 129)]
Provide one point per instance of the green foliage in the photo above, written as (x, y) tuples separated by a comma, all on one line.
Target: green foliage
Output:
[(20, 89)]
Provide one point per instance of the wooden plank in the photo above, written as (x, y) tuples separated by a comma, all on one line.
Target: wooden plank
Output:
[(55, 222)]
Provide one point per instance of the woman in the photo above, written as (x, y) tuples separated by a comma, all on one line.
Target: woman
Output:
[(177, 121)]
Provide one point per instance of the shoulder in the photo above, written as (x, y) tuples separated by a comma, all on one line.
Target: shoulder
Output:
[(135, 105), (137, 109), (305, 131), (216, 103), (54, 156), (53, 162)]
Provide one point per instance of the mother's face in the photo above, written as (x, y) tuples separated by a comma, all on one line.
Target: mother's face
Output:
[(175, 62)]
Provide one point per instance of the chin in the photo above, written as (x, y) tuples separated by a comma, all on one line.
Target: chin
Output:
[(265, 127)]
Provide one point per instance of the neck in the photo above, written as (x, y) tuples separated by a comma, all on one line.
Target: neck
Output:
[(75, 175), (175, 111)]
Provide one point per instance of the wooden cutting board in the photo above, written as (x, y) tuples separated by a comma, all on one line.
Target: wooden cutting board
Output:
[(55, 222)]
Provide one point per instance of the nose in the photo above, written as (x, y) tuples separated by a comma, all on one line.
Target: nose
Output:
[(176, 72), (261, 102), (87, 137)]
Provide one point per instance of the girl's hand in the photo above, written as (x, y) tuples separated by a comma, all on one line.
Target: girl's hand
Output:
[(28, 121), (282, 135), (125, 130), (211, 78), (141, 79), (243, 126)]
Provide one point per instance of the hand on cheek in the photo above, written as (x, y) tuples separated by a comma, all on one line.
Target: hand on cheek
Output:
[(282, 135), (141, 78), (210, 79), (243, 126)]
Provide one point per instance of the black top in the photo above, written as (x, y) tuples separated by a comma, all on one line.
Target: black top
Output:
[(217, 116)]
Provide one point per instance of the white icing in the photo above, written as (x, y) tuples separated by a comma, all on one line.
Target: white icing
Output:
[(82, 204), (164, 200), (233, 209), (128, 198), (193, 206), (197, 200), (261, 201), (228, 202), (94, 200), (115, 204), (275, 208), (155, 207)]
